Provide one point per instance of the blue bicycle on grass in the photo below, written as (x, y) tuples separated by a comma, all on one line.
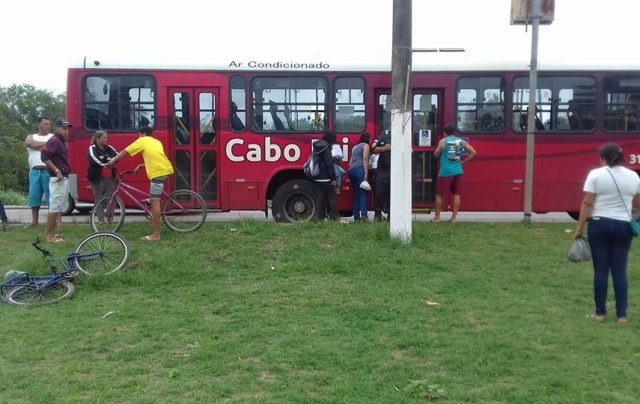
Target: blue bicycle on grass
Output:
[(96, 254)]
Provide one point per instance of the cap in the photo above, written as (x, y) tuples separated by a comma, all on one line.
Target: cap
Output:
[(62, 123)]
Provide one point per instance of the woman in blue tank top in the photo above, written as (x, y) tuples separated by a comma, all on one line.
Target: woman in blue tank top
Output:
[(358, 172)]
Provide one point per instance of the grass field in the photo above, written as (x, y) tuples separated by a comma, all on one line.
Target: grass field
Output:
[(260, 312)]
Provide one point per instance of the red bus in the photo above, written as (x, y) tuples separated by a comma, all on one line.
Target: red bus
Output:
[(239, 136)]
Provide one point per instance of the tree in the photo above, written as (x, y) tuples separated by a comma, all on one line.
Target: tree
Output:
[(20, 106)]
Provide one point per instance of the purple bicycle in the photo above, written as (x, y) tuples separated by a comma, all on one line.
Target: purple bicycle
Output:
[(182, 210)]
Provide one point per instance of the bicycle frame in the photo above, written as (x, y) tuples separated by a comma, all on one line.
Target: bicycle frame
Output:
[(123, 187)]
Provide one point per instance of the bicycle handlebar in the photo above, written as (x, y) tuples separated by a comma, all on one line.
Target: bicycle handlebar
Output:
[(36, 245)]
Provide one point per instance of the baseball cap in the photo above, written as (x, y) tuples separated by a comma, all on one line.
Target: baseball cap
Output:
[(62, 123)]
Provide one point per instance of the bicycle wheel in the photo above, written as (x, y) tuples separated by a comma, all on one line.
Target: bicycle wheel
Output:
[(101, 253), (107, 214), (28, 295), (184, 211)]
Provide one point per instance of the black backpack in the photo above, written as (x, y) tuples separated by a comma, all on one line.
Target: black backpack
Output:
[(312, 166)]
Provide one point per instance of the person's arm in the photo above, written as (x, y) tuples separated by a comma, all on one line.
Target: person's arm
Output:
[(439, 148), (471, 152), (118, 156), (585, 213), (365, 160), (33, 144)]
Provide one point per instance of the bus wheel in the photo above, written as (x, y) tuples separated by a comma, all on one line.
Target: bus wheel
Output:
[(298, 200), (71, 205), (574, 215)]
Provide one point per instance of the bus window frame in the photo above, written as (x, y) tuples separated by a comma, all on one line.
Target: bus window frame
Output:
[(333, 104), (327, 104), (598, 110), (247, 123), (602, 104), (84, 103), (505, 104)]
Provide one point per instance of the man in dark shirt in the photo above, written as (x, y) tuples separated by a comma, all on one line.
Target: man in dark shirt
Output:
[(54, 156), (382, 147)]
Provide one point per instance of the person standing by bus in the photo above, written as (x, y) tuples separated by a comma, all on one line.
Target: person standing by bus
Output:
[(450, 151), (327, 178), (55, 156), (359, 172), (100, 174), (382, 147), (3, 217), (158, 168), (38, 175), (611, 193)]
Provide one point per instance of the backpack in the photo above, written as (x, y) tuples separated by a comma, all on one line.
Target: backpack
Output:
[(312, 166)]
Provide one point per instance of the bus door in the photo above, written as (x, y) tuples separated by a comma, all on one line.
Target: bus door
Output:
[(426, 121), (194, 129)]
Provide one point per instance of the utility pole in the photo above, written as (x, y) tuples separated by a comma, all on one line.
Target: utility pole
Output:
[(531, 113), (401, 108)]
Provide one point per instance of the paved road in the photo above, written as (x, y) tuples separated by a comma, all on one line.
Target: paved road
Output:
[(20, 215)]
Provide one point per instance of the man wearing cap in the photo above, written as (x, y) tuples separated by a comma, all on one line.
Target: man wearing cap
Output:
[(54, 156), (38, 174)]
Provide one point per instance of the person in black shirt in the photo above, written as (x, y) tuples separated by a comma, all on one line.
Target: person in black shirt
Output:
[(327, 178), (382, 147), (100, 174)]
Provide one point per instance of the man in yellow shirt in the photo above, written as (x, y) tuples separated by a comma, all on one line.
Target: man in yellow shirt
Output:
[(158, 169)]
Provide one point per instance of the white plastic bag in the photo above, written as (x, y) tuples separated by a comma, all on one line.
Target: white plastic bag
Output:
[(365, 185), (580, 251)]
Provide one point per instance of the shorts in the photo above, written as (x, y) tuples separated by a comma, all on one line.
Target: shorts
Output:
[(59, 195), (38, 186), (446, 184), (157, 186)]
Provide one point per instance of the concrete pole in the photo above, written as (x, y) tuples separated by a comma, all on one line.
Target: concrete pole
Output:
[(531, 117), (401, 106)]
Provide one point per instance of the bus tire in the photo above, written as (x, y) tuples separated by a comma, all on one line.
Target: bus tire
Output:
[(298, 200), (71, 205)]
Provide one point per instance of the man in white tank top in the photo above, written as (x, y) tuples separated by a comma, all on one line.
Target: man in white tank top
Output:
[(38, 174)]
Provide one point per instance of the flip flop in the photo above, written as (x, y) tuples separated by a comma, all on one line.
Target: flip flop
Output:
[(148, 238), (596, 317), (56, 240)]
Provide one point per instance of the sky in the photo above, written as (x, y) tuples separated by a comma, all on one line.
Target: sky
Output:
[(43, 38)]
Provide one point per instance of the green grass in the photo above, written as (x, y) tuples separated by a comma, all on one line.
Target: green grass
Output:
[(260, 312)]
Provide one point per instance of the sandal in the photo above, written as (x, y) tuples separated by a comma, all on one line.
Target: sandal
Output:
[(596, 317), (149, 238), (55, 240), (622, 321)]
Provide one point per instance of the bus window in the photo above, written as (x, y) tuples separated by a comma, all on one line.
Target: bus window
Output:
[(118, 103), (480, 104), (181, 118), (622, 103), (289, 104), (207, 107), (238, 106), (349, 113), (425, 117), (563, 103)]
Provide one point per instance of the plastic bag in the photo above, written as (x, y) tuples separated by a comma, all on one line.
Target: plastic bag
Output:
[(365, 185), (579, 251)]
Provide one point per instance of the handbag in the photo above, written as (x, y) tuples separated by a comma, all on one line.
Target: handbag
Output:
[(633, 223), (365, 185)]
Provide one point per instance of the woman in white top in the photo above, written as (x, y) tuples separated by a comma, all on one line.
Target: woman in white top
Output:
[(611, 192)]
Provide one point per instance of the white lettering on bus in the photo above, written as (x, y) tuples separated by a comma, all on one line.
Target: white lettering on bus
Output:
[(272, 151), (345, 149)]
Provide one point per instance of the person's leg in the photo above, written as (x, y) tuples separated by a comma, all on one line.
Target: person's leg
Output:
[(98, 191), (619, 251), (35, 195), (57, 204), (355, 188), (45, 180), (456, 185), (3, 216), (155, 211), (379, 196), (155, 190), (599, 243)]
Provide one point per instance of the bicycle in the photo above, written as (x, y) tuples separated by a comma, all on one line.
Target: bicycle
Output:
[(97, 253), (182, 211)]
